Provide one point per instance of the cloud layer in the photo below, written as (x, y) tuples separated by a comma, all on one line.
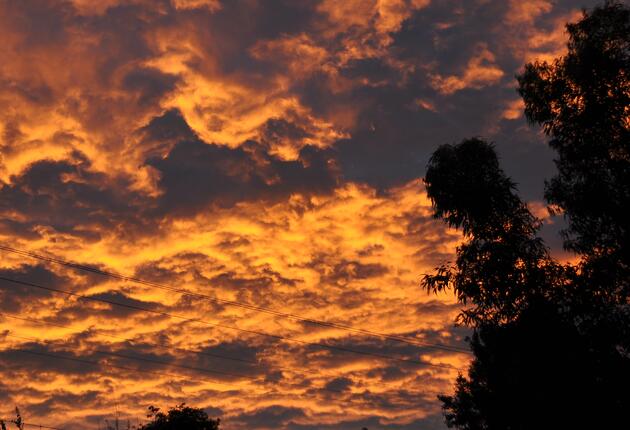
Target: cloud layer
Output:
[(265, 155)]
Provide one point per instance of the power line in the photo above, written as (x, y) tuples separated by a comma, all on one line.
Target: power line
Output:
[(171, 375), (35, 320), (125, 339), (148, 360), (98, 363), (161, 345), (144, 371), (200, 321), (41, 426), (233, 302)]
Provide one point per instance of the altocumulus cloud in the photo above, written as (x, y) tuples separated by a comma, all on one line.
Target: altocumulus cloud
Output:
[(270, 155)]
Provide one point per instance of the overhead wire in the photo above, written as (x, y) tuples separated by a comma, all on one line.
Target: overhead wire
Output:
[(259, 333), (163, 345), (41, 426), (153, 372), (174, 365), (234, 303), (98, 363), (125, 339), (238, 375)]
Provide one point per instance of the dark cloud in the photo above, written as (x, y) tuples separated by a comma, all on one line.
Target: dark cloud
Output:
[(240, 354), (34, 91), (270, 417), (371, 71), (14, 296), (393, 137), (390, 373), (123, 28), (432, 422), (23, 229), (40, 23), (149, 84), (279, 131), (339, 384), (234, 24), (195, 175), (66, 401), (129, 305), (48, 358), (233, 241), (392, 141), (69, 197), (169, 127), (371, 250), (340, 272), (378, 352), (260, 281)]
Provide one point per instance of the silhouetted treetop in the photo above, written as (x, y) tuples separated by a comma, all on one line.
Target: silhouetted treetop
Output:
[(469, 190), (181, 417), (18, 422), (582, 100), (503, 265)]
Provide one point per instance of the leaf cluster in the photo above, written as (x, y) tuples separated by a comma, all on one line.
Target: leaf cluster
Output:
[(502, 266)]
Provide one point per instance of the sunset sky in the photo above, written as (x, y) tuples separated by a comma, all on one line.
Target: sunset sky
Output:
[(266, 153)]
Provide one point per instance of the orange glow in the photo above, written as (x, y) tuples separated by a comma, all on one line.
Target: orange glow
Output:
[(266, 155)]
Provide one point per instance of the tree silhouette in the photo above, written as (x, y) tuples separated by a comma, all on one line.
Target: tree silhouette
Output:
[(503, 266), (582, 100), (180, 417), (550, 342), (532, 366), (527, 352)]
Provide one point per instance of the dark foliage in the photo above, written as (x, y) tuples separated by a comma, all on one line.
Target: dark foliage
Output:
[(533, 367), (503, 266), (582, 100), (537, 372), (181, 417), (551, 343)]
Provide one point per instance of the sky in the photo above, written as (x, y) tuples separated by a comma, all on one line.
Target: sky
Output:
[(255, 164)]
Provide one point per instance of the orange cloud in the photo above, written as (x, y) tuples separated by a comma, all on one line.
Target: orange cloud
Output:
[(513, 110), (353, 257), (269, 156), (480, 71), (531, 38), (527, 12)]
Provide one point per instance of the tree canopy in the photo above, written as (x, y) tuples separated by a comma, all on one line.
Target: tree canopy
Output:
[(582, 101), (179, 418), (531, 363), (503, 265), (551, 342)]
